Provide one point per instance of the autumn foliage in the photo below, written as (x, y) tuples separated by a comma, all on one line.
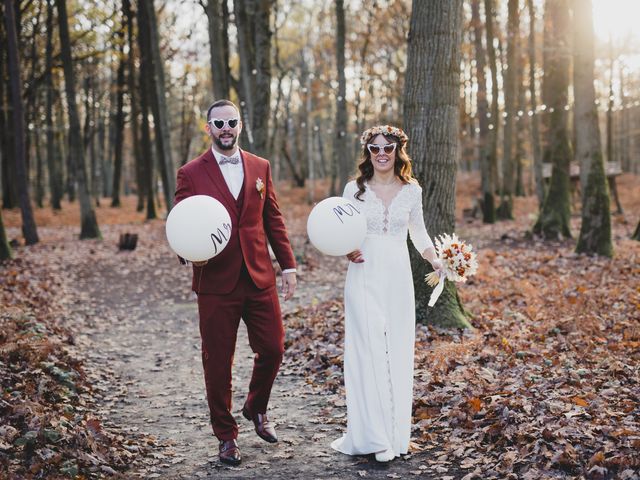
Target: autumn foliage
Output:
[(546, 384)]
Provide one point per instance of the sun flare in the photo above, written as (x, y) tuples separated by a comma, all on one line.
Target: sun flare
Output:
[(616, 18)]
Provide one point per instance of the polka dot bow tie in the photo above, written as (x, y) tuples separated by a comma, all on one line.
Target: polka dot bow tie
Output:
[(233, 160)]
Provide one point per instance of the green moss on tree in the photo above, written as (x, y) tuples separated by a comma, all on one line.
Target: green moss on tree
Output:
[(554, 220), (636, 234), (488, 208), (595, 231), (448, 312), (5, 249)]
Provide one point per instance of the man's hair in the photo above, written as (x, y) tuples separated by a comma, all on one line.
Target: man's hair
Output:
[(221, 103)]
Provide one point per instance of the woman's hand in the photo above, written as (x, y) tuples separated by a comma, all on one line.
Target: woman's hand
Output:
[(200, 264), (436, 264), (355, 256)]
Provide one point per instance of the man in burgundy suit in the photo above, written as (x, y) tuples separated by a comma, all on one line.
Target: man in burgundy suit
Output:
[(240, 281)]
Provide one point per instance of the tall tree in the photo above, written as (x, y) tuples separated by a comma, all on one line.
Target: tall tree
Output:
[(431, 112), (341, 157), (505, 211), (595, 232), (7, 143), (218, 14), (553, 221), (148, 26), (134, 104), (535, 124), (521, 126), (88, 223), (253, 20), (119, 116), (54, 164), (145, 93), (494, 126), (488, 208), (29, 229)]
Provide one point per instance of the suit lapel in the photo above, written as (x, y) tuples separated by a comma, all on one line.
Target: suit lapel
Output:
[(213, 170)]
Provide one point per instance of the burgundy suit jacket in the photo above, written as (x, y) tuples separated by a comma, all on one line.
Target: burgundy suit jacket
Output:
[(259, 220)]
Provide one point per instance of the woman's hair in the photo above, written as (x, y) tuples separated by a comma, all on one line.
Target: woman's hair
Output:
[(401, 168)]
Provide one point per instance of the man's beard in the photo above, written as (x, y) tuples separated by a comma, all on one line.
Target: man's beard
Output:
[(222, 146)]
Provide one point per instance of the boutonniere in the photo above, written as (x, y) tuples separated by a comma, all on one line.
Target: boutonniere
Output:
[(260, 187)]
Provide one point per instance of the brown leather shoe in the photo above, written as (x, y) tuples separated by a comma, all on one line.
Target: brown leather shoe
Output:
[(230, 452), (264, 428)]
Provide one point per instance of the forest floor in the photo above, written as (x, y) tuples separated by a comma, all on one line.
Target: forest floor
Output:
[(101, 372)]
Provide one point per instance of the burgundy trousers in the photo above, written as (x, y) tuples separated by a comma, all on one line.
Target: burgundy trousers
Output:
[(219, 320)]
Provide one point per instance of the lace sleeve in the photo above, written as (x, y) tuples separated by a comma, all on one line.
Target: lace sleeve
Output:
[(350, 190), (417, 230)]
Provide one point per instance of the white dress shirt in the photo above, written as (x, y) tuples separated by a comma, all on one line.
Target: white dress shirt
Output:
[(234, 176)]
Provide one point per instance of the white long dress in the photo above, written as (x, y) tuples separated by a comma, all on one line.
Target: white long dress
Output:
[(380, 324)]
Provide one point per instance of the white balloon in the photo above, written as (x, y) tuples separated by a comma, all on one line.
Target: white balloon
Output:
[(198, 228), (337, 226)]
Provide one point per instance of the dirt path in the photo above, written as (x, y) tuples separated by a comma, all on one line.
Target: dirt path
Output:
[(142, 325)]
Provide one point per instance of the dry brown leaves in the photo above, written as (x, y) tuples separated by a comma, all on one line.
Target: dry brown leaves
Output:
[(548, 385), (49, 424)]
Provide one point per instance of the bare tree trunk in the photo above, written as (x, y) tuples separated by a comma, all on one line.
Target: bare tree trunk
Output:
[(505, 211), (595, 231), (89, 225), (119, 120), (535, 124), (218, 48), (9, 191), (624, 134), (611, 157), (29, 229), (431, 113), (253, 22), (521, 126), (494, 126), (54, 164), (242, 11), (5, 249), (342, 158), (39, 171), (89, 131), (134, 104), (158, 100), (145, 87), (187, 119), (553, 221), (31, 105), (262, 103), (488, 208), (636, 234), (311, 167)]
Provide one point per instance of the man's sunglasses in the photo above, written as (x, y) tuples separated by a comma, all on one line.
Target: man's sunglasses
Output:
[(375, 149), (220, 123)]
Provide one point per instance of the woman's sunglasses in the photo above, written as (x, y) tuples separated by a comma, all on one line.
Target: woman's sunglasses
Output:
[(375, 149), (220, 123)]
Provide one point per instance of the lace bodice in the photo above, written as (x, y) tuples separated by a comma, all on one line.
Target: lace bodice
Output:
[(403, 214)]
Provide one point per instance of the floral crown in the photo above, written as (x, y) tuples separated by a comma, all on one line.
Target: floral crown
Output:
[(384, 130)]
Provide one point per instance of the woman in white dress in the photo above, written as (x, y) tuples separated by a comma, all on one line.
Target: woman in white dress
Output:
[(379, 299)]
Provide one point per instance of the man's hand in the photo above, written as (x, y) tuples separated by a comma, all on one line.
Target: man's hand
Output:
[(200, 264), (289, 283), (355, 256)]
